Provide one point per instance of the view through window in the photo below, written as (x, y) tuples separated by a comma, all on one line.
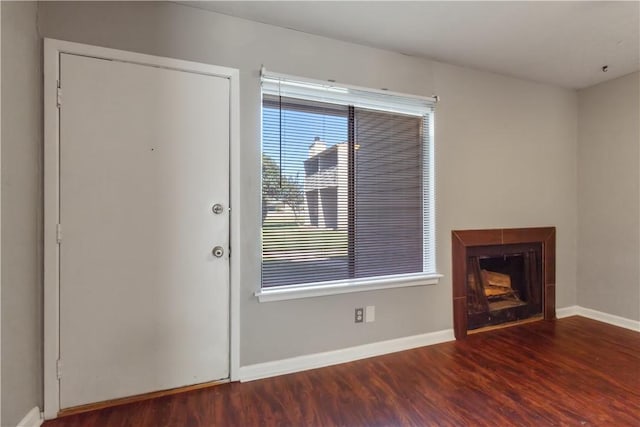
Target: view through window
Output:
[(345, 192)]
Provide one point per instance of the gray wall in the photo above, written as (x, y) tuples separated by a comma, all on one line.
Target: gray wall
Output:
[(21, 212), (609, 197), (505, 157), (505, 150)]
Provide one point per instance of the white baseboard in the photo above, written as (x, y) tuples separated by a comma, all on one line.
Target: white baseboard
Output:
[(611, 319), (329, 358), (32, 419), (320, 360), (567, 311), (576, 310)]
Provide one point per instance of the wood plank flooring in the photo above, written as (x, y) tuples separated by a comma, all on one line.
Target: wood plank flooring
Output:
[(569, 372)]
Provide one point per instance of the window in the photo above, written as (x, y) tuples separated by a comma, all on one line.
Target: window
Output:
[(347, 185)]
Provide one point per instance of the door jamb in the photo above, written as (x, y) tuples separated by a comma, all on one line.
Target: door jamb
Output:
[(52, 51)]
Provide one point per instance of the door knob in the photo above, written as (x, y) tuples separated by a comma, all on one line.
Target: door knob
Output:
[(218, 251)]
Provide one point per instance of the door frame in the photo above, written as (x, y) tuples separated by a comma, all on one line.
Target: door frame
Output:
[(52, 51)]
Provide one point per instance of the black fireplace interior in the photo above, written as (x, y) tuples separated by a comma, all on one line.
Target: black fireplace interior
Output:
[(504, 283)]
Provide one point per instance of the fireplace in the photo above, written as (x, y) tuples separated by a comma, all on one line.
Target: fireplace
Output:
[(502, 276)]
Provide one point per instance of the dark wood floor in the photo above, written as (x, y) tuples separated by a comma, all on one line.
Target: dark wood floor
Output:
[(573, 372)]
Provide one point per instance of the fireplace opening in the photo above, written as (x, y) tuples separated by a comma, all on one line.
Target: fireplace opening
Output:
[(504, 284), (502, 276)]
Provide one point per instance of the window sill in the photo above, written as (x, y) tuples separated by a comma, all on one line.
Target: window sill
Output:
[(311, 290)]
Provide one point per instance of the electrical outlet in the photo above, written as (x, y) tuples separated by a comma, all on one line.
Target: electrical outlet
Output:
[(359, 315)]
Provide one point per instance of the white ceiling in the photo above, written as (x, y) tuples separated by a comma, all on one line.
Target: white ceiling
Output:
[(561, 43)]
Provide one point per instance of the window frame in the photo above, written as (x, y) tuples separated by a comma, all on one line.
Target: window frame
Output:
[(348, 285)]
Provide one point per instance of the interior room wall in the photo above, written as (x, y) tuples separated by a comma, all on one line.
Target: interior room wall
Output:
[(0, 219), (609, 197), (21, 211), (505, 155)]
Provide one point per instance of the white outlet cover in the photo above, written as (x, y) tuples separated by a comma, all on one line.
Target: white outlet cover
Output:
[(370, 313)]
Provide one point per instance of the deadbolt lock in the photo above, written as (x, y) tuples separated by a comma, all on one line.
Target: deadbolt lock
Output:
[(218, 251), (217, 209)]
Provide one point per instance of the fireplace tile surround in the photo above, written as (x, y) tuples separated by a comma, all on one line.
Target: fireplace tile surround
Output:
[(467, 241)]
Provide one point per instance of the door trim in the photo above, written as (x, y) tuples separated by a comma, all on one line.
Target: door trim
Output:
[(52, 51)]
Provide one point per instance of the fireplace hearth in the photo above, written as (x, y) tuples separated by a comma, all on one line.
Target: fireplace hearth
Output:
[(502, 276)]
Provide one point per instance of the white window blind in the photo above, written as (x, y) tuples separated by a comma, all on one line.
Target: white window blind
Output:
[(347, 183)]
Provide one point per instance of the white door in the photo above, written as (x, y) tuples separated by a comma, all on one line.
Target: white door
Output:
[(144, 155)]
